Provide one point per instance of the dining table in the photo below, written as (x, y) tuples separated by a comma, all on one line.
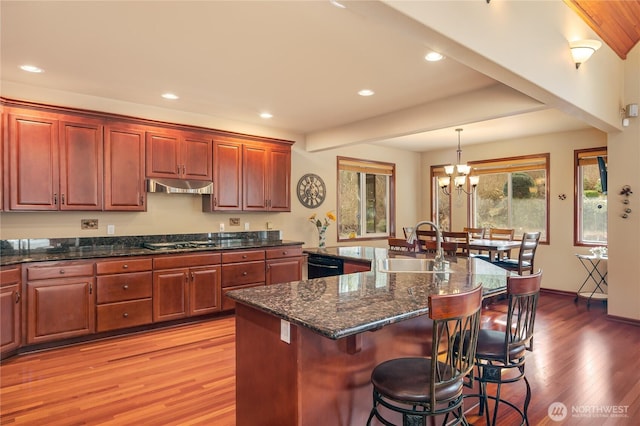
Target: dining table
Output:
[(493, 246)]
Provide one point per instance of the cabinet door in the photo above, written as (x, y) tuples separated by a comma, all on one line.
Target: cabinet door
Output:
[(163, 152), (204, 291), (34, 163), (124, 168), (197, 157), (254, 175), (227, 159), (81, 165), (60, 309), (9, 318), (279, 180), (284, 270), (170, 295)]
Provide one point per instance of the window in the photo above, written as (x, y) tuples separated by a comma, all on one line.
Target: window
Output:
[(441, 200), (591, 197), (366, 198), (512, 193)]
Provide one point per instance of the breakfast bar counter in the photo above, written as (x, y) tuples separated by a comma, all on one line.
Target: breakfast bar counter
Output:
[(305, 350)]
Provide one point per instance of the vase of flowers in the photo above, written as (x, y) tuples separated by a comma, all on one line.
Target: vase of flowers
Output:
[(322, 227)]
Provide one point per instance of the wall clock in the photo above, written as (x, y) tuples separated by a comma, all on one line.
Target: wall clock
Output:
[(311, 190)]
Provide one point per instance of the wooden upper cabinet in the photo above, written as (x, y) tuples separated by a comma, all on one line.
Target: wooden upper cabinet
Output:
[(280, 179), (267, 177), (227, 181), (250, 176), (33, 162), (124, 186), (55, 163), (81, 165), (179, 155), (255, 178)]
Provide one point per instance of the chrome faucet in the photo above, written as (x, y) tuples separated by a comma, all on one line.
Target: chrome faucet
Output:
[(439, 259)]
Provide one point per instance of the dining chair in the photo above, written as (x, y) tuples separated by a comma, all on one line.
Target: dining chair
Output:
[(502, 234), (503, 351), (475, 234), (461, 241), (420, 387), (426, 240), (526, 255), (400, 244)]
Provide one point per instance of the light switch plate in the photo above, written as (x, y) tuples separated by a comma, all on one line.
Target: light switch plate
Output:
[(221, 227), (111, 229)]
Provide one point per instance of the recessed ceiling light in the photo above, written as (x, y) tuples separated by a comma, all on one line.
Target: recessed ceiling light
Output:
[(366, 92), (170, 96), (337, 4), (31, 68), (433, 57), (265, 115)]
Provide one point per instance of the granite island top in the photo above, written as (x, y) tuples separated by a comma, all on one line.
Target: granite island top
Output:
[(57, 249), (344, 305)]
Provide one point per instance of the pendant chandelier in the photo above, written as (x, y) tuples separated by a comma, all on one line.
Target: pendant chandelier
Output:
[(459, 173)]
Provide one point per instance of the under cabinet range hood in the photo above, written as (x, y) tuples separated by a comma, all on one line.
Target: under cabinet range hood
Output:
[(179, 186)]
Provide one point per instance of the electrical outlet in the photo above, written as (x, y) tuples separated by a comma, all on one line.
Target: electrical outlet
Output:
[(246, 226), (111, 229), (89, 223), (221, 227), (234, 221), (285, 331)]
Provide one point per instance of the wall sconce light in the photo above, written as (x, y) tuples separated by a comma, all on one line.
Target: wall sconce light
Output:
[(581, 50)]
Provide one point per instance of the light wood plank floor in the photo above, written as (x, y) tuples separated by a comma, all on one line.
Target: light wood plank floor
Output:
[(186, 375)]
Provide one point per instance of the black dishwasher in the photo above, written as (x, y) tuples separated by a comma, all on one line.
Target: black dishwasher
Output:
[(323, 266)]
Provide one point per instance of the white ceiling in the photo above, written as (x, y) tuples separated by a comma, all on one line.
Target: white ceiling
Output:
[(302, 61)]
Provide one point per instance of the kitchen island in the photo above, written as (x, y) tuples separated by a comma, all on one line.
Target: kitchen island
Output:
[(305, 350)]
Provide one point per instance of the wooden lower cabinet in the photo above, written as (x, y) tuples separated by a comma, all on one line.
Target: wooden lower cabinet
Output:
[(60, 301), (10, 309), (123, 295), (185, 286), (283, 265), (241, 269)]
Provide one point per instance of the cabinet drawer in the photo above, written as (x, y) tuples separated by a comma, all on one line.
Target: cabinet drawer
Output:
[(116, 288), (123, 266), (242, 256), (242, 273), (170, 262), (10, 275), (124, 314), (288, 251), (59, 271)]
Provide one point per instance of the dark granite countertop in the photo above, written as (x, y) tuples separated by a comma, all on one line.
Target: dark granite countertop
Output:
[(14, 251), (340, 306)]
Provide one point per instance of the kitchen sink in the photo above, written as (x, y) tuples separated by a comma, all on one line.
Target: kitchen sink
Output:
[(412, 265)]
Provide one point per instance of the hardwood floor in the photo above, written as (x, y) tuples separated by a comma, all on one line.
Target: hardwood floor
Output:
[(186, 375)]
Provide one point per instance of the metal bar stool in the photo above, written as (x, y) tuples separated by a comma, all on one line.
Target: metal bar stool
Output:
[(422, 387), (503, 351)]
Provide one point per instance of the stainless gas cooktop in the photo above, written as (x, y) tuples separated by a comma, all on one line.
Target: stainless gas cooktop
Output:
[(180, 245)]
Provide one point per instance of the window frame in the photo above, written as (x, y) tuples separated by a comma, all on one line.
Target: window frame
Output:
[(369, 166), (577, 234), (496, 165), (512, 165)]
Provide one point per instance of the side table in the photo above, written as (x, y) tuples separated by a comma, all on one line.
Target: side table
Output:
[(592, 264)]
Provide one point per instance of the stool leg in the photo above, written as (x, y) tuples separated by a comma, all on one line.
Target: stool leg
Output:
[(527, 399)]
